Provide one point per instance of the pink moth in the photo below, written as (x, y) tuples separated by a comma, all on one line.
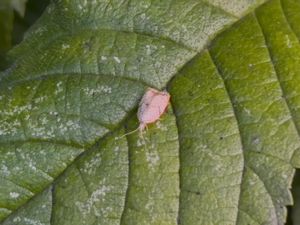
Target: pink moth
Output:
[(153, 104)]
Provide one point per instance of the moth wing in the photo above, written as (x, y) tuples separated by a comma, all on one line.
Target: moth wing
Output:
[(146, 102), (150, 93), (150, 115), (141, 111), (152, 105), (160, 102)]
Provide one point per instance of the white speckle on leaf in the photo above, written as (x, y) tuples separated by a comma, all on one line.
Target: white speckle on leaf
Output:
[(218, 168), (116, 149), (150, 205), (143, 16), (65, 46), (161, 126), (251, 183), (90, 167), (148, 49), (37, 129), (44, 121), (32, 222), (17, 219), (96, 196), (59, 88), (256, 141), (117, 59), (62, 128), (152, 158), (13, 110), (40, 99), (73, 125), (40, 30), (14, 194), (247, 111), (32, 166), (9, 127), (288, 42), (145, 5), (4, 170), (103, 58), (53, 113), (99, 90)]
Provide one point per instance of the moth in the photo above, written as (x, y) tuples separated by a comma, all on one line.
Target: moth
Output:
[(152, 106)]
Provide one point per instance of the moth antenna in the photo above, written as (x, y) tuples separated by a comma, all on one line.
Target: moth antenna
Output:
[(131, 132)]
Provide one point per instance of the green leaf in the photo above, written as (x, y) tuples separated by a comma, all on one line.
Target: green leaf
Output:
[(6, 27), (34, 9), (100, 182), (38, 211), (224, 153)]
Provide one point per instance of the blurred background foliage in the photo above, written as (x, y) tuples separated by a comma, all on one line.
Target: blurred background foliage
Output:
[(16, 16), (294, 211)]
